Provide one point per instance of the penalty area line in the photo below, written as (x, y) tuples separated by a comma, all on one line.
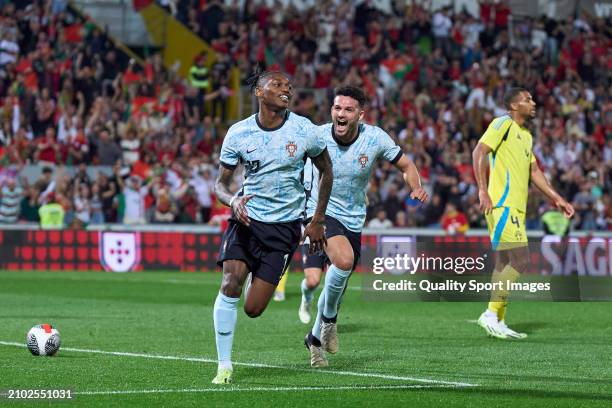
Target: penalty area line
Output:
[(259, 365), (266, 389)]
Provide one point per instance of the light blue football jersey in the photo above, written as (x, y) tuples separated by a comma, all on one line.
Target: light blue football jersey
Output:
[(353, 165), (274, 160)]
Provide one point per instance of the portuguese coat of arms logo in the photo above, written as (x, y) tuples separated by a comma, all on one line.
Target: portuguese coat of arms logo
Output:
[(291, 148), (363, 160)]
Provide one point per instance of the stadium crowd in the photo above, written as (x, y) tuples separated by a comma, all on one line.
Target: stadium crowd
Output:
[(71, 98)]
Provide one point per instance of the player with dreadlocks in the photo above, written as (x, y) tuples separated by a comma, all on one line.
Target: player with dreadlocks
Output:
[(264, 230)]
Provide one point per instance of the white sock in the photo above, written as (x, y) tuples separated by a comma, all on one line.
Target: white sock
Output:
[(308, 293), (335, 280), (316, 327), (225, 314), (490, 313)]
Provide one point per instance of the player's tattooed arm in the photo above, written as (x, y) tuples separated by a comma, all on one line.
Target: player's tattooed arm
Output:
[(479, 158), (223, 193), (539, 179), (315, 230), (412, 178)]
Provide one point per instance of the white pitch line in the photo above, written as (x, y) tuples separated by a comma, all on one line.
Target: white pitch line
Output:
[(259, 365), (260, 389)]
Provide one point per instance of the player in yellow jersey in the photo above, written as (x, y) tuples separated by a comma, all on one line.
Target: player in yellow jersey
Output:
[(506, 147)]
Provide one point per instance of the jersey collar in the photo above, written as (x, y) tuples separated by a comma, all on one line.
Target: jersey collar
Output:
[(265, 129), (360, 129)]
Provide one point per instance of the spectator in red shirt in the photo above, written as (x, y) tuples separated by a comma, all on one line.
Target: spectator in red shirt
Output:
[(47, 148), (454, 221)]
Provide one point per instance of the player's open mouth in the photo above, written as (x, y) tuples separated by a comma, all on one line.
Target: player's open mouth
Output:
[(284, 98), (341, 124)]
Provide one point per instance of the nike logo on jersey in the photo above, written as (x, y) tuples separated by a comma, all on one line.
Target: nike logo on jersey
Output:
[(251, 150)]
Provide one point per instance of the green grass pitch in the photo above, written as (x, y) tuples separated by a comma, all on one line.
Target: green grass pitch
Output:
[(391, 354)]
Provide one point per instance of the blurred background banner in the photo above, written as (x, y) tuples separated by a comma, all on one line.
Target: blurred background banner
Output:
[(195, 248)]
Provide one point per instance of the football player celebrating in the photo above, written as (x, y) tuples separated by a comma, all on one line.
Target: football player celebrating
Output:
[(354, 149), (265, 228)]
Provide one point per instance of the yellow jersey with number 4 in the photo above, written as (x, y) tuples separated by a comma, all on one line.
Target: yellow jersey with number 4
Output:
[(509, 162)]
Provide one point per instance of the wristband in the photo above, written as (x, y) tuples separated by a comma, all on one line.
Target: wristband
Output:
[(232, 201)]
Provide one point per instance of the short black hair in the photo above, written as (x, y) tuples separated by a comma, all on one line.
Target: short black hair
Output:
[(257, 79), (511, 95), (352, 92)]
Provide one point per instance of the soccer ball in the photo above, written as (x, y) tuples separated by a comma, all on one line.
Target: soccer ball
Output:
[(43, 340)]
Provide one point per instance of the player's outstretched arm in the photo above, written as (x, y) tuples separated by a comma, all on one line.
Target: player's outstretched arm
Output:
[(223, 193), (412, 178), (480, 163), (539, 179), (315, 230)]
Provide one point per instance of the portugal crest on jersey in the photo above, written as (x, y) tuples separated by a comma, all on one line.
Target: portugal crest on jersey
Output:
[(363, 160), (291, 148)]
